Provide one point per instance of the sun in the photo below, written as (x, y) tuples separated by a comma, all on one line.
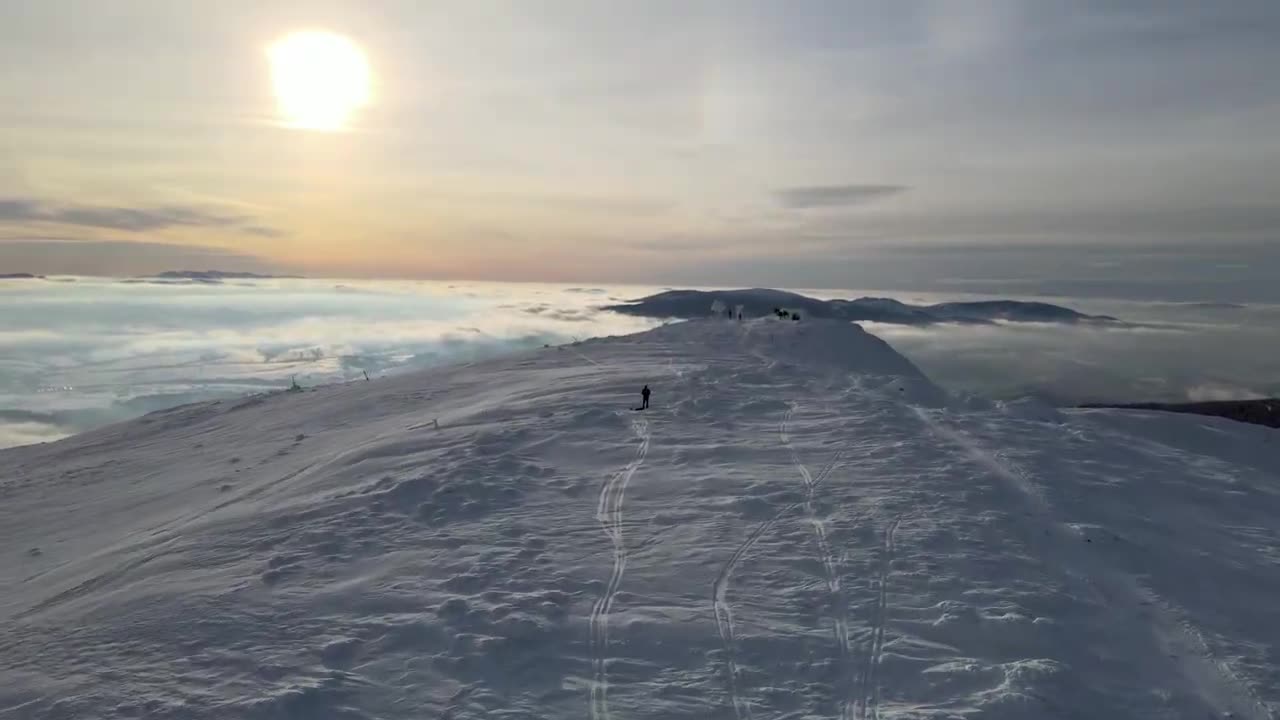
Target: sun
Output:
[(321, 79)]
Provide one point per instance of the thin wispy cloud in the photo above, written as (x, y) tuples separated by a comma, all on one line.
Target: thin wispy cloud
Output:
[(70, 255), (129, 219), (827, 196), (262, 231)]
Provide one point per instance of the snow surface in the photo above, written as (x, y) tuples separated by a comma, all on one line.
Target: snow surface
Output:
[(803, 526)]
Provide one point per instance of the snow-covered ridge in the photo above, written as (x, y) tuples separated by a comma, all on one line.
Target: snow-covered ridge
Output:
[(689, 304), (802, 526)]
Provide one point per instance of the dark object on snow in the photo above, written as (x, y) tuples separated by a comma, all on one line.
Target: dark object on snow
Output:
[(644, 398), (1265, 411), (796, 317)]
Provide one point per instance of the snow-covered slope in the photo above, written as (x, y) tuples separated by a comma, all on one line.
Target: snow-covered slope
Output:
[(802, 526)]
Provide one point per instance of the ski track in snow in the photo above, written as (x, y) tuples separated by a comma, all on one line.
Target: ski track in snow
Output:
[(839, 615), (1178, 642), (325, 554), (870, 679), (724, 611), (609, 514)]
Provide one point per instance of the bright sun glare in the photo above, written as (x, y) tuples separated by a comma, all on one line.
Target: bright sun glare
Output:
[(320, 79)]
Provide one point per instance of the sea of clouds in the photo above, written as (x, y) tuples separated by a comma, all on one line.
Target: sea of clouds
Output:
[(79, 353), (1162, 352), (83, 352)]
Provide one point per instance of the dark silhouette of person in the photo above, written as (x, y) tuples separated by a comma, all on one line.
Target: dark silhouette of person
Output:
[(644, 398)]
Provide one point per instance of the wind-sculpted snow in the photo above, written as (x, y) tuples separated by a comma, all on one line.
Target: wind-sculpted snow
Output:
[(690, 304), (803, 526)]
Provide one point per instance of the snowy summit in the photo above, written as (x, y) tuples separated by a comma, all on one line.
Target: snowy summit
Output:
[(801, 526)]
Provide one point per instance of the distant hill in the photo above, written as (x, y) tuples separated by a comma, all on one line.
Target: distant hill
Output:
[(219, 275), (689, 304), (1264, 411)]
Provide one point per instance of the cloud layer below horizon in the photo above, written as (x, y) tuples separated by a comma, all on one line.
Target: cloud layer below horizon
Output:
[(84, 353)]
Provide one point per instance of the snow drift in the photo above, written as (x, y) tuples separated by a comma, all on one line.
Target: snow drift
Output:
[(803, 526)]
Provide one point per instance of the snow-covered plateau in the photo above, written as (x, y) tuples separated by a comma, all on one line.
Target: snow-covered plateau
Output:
[(802, 526)]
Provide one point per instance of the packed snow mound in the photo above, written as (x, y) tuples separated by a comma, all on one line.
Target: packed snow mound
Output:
[(690, 304), (790, 531)]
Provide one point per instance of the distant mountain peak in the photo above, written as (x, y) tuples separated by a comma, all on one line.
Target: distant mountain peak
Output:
[(758, 302)]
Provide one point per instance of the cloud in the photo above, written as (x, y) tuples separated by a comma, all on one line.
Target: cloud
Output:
[(1214, 392), (23, 433), (822, 196), (1173, 356), (129, 219), (682, 245), (262, 231), (562, 314), (87, 256), (99, 351)]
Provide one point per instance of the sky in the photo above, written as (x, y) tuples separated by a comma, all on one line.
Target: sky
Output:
[(1044, 146)]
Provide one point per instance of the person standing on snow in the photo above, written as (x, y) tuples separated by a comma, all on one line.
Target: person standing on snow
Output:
[(644, 398)]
